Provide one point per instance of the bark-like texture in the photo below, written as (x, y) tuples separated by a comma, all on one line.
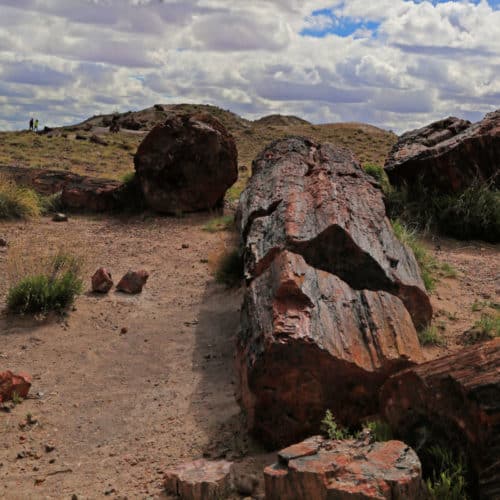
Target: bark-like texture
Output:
[(187, 164), (310, 342), (448, 155), (317, 201), (456, 397), (345, 470)]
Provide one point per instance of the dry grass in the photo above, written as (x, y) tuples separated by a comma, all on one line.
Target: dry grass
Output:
[(17, 202)]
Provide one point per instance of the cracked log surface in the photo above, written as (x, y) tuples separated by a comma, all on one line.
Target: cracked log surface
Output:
[(456, 397), (317, 201), (310, 342)]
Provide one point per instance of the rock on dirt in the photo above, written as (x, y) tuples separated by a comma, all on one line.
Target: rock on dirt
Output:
[(11, 384), (187, 164), (448, 155), (3, 242), (60, 217), (317, 201), (102, 281), (133, 282), (455, 399), (200, 480), (309, 342), (322, 469)]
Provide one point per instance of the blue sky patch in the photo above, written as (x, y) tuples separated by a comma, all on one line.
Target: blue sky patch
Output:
[(334, 25)]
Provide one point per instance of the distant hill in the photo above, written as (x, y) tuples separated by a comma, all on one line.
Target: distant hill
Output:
[(371, 144)]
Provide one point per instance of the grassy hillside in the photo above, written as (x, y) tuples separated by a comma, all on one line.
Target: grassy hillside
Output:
[(70, 148)]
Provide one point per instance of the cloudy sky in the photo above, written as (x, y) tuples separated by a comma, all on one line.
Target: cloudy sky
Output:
[(394, 63)]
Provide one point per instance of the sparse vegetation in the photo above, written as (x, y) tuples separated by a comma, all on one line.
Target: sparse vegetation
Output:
[(16, 399), (17, 202), (430, 336), (332, 429), (472, 214), (222, 223), (488, 327), (53, 289), (449, 472), (230, 269), (380, 430), (378, 173)]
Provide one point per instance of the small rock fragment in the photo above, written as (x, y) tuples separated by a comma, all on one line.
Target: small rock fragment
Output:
[(102, 281), (3, 242), (12, 384), (60, 217), (133, 282)]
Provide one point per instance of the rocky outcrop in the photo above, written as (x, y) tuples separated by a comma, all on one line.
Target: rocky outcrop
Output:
[(332, 296), (133, 282), (316, 201), (200, 480), (319, 469), (187, 164), (12, 385), (102, 281), (455, 399), (309, 342), (448, 155)]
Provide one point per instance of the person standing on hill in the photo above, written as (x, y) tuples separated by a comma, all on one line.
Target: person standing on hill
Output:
[(36, 125), (31, 123)]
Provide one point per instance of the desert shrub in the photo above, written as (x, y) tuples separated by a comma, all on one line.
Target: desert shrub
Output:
[(50, 204), (222, 223), (53, 289), (332, 429), (488, 326), (448, 480), (17, 202), (430, 336), (428, 265), (230, 269), (472, 214), (129, 177), (378, 173)]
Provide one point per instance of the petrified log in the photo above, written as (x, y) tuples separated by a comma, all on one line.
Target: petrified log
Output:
[(317, 201), (457, 399), (14, 384), (187, 164), (309, 342), (319, 469), (448, 155)]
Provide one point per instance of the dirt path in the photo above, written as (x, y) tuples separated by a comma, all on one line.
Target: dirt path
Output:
[(121, 407)]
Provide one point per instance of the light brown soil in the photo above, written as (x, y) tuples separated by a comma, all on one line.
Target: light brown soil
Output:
[(121, 407)]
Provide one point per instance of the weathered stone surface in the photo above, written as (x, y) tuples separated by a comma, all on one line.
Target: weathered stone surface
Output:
[(11, 383), (448, 155), (457, 399), (309, 342), (102, 281), (343, 470), (187, 164), (78, 192), (200, 480), (133, 281), (317, 201)]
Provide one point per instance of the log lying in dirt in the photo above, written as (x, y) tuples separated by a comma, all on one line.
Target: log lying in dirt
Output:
[(455, 398), (316, 200), (309, 342), (319, 469), (78, 192), (448, 155)]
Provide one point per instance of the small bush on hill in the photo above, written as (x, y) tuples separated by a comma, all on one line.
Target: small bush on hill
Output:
[(51, 204), (53, 289), (17, 202), (332, 429), (430, 336)]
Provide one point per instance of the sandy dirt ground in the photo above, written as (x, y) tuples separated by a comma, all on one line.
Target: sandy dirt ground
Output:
[(115, 408)]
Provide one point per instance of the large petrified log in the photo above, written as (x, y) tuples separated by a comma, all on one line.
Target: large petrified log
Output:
[(319, 469), (309, 342), (456, 399), (448, 155), (317, 201), (187, 164)]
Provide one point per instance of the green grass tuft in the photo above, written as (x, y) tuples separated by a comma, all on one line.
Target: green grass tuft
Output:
[(53, 290), (17, 202), (378, 173), (380, 430), (332, 429), (430, 336), (222, 223)]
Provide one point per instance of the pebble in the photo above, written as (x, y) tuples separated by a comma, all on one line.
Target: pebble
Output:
[(59, 217)]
